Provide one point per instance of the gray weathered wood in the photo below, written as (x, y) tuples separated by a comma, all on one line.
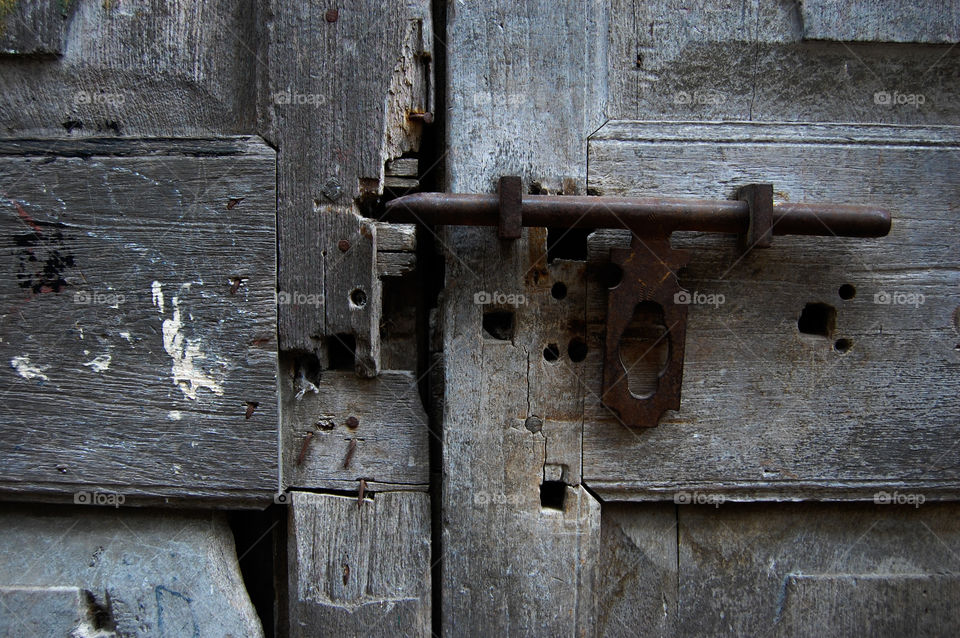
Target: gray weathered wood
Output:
[(705, 60), (34, 27), (335, 129), (176, 68), (359, 569), (637, 575), (139, 320), (767, 412), (391, 435), (511, 420), (921, 21), (790, 569)]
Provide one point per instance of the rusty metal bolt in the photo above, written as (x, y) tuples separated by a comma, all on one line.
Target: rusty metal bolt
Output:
[(332, 15), (352, 422), (343, 245), (533, 423), (416, 116)]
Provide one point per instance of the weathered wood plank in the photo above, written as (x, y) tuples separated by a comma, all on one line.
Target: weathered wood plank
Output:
[(139, 322), (637, 579), (359, 569), (388, 434), (704, 60), (923, 21), (768, 412), (787, 569), (177, 68), (512, 420), (334, 137), (34, 27)]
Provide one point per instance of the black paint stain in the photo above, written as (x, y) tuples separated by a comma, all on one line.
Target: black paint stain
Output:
[(42, 261)]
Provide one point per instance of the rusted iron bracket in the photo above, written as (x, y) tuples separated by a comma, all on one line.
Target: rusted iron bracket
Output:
[(650, 265)]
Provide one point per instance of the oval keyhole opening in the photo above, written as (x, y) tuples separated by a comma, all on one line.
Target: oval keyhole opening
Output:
[(645, 349)]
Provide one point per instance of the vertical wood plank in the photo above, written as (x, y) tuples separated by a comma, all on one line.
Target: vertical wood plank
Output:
[(512, 420), (359, 568), (341, 83)]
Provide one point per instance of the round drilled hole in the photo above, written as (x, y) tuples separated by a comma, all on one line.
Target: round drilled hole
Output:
[(551, 353), (559, 290), (358, 298), (847, 291), (842, 345), (611, 275), (577, 349)]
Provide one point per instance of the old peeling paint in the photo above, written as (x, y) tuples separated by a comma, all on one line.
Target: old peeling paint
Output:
[(184, 351), (27, 370), (100, 363)]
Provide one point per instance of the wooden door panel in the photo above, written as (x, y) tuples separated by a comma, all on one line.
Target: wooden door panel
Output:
[(778, 570), (139, 319), (767, 411)]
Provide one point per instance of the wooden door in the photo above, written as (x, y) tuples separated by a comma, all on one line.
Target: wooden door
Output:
[(204, 309), (806, 483)]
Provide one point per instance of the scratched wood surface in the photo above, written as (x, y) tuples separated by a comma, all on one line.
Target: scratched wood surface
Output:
[(359, 569), (810, 61), (138, 327), (136, 67), (520, 534), (335, 129), (769, 412)]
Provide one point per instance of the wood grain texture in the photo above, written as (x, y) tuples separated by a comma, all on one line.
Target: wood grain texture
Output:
[(767, 412), (335, 129), (925, 21), (139, 321), (34, 27), (390, 435), (178, 68), (524, 89), (704, 60), (637, 581), (359, 570), (850, 569)]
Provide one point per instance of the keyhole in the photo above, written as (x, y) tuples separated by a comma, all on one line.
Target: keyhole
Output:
[(645, 349)]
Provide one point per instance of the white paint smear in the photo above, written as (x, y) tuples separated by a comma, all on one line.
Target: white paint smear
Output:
[(26, 370), (184, 351), (99, 364), (157, 289)]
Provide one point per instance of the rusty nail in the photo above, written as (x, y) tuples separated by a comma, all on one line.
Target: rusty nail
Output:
[(352, 422), (417, 116), (343, 245), (363, 488), (235, 285), (303, 448), (350, 450), (332, 15), (251, 406), (233, 201)]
